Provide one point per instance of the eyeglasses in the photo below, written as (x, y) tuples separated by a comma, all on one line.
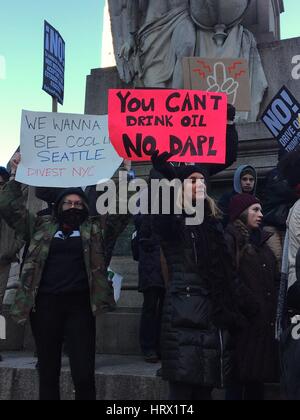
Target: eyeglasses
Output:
[(76, 204)]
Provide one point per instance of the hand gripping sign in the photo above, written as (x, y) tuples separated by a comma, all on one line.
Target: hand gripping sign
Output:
[(189, 124)]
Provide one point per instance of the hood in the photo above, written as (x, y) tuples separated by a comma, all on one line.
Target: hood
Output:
[(237, 179), (70, 191)]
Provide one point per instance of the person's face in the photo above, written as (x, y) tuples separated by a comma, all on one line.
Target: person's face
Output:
[(72, 201), (198, 186), (248, 183), (255, 216)]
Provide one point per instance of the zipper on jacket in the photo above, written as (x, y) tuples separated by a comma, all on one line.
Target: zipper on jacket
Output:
[(222, 358), (194, 247)]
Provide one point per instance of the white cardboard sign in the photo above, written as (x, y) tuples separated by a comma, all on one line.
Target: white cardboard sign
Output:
[(65, 150)]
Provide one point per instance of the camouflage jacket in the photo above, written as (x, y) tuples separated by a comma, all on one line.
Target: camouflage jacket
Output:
[(39, 231)]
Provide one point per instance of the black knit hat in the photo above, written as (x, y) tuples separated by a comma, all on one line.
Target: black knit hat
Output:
[(4, 174), (65, 193), (240, 203), (184, 172)]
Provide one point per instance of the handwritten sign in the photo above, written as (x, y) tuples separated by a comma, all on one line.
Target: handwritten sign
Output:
[(225, 75), (189, 124), (65, 150), (282, 119)]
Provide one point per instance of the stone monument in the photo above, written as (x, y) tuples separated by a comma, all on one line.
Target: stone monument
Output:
[(262, 18), (151, 39)]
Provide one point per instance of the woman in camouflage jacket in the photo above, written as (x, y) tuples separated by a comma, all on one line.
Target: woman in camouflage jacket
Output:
[(63, 283)]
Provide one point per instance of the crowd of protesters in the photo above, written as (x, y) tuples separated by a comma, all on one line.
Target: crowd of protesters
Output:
[(210, 290)]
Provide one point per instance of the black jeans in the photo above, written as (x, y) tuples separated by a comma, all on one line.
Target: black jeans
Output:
[(69, 319), (150, 327), (186, 392)]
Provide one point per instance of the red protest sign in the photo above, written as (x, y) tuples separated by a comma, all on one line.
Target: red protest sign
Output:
[(190, 124)]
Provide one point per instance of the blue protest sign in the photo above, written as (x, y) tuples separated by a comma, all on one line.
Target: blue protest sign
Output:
[(54, 63), (282, 119)]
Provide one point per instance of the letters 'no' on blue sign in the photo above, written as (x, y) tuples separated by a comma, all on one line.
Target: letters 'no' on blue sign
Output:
[(54, 63)]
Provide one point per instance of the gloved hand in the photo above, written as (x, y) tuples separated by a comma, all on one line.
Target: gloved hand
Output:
[(231, 112), (161, 165)]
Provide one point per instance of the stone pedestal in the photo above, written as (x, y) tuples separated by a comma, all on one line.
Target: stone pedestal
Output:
[(97, 85)]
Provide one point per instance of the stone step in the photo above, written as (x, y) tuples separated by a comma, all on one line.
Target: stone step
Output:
[(130, 299), (117, 333), (117, 378)]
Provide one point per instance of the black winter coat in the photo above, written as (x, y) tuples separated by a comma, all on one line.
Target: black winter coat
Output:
[(199, 309), (278, 199), (257, 351), (150, 272)]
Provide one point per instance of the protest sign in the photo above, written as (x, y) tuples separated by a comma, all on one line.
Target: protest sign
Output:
[(189, 124), (65, 150), (225, 75), (282, 119), (54, 63)]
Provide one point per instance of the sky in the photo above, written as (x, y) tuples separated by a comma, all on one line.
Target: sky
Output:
[(21, 53)]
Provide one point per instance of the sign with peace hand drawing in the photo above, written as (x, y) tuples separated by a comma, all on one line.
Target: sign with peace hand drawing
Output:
[(224, 75)]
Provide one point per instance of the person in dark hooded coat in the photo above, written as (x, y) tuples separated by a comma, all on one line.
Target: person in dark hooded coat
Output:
[(257, 360), (64, 282), (201, 309), (278, 198), (152, 285)]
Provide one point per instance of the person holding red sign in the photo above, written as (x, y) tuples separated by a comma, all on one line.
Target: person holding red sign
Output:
[(204, 305)]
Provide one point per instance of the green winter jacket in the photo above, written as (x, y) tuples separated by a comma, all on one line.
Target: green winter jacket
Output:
[(38, 233)]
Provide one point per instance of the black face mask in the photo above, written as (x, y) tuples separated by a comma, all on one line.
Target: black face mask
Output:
[(73, 218)]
